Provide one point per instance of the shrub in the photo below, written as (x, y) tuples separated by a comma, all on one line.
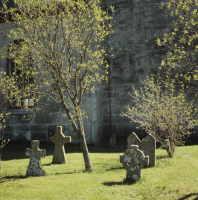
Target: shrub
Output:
[(163, 111)]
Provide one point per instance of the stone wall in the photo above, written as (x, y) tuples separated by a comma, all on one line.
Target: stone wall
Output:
[(138, 24), (23, 125)]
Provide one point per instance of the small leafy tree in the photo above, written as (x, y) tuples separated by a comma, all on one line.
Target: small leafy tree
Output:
[(182, 43), (4, 86), (60, 48), (163, 112), (10, 91)]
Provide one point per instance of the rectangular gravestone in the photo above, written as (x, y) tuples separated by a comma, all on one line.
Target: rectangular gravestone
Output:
[(112, 142), (133, 139), (147, 145)]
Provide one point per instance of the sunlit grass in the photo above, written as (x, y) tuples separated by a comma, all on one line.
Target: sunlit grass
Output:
[(175, 178)]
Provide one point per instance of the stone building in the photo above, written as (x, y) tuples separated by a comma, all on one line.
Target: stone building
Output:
[(137, 25)]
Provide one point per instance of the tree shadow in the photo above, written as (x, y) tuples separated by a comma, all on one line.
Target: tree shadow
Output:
[(16, 150), (114, 168), (124, 182), (161, 156), (68, 173), (189, 195), (47, 164), (5, 178)]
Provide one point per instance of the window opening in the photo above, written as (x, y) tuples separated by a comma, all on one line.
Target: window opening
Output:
[(22, 80)]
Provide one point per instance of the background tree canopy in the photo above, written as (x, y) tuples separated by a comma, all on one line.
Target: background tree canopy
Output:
[(182, 43)]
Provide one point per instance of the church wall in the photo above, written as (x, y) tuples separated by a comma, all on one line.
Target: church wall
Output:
[(23, 125), (136, 55), (138, 24)]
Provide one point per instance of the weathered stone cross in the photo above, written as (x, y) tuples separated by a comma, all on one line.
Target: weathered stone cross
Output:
[(35, 154), (59, 139), (134, 160)]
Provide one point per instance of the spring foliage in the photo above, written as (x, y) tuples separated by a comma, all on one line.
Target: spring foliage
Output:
[(181, 42), (60, 48), (163, 112), (5, 85)]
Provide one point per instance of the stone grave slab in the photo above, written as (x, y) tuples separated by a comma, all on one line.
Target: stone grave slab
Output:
[(147, 145), (133, 139), (112, 142)]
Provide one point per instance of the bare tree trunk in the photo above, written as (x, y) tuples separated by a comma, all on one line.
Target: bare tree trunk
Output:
[(171, 152), (81, 136), (171, 149), (1, 147), (83, 145), (82, 141), (0, 160)]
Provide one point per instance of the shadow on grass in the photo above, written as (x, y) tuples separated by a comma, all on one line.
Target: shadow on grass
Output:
[(68, 173), (5, 178), (124, 182), (47, 164), (161, 156), (114, 168), (189, 195), (16, 150)]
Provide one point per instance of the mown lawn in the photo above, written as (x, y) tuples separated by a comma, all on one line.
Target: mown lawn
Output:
[(175, 178)]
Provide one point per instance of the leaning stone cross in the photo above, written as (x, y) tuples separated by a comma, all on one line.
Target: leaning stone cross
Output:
[(134, 160), (35, 154), (59, 139)]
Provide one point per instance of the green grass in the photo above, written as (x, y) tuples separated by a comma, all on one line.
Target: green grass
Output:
[(175, 178)]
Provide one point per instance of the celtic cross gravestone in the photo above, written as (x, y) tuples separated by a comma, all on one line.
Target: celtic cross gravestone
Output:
[(133, 161)]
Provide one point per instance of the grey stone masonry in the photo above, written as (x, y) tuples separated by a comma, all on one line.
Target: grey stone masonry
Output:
[(59, 140), (23, 125), (136, 56), (35, 154), (147, 145), (134, 160)]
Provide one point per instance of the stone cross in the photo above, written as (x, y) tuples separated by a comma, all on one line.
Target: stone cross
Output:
[(59, 139), (35, 154), (147, 145), (134, 160)]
